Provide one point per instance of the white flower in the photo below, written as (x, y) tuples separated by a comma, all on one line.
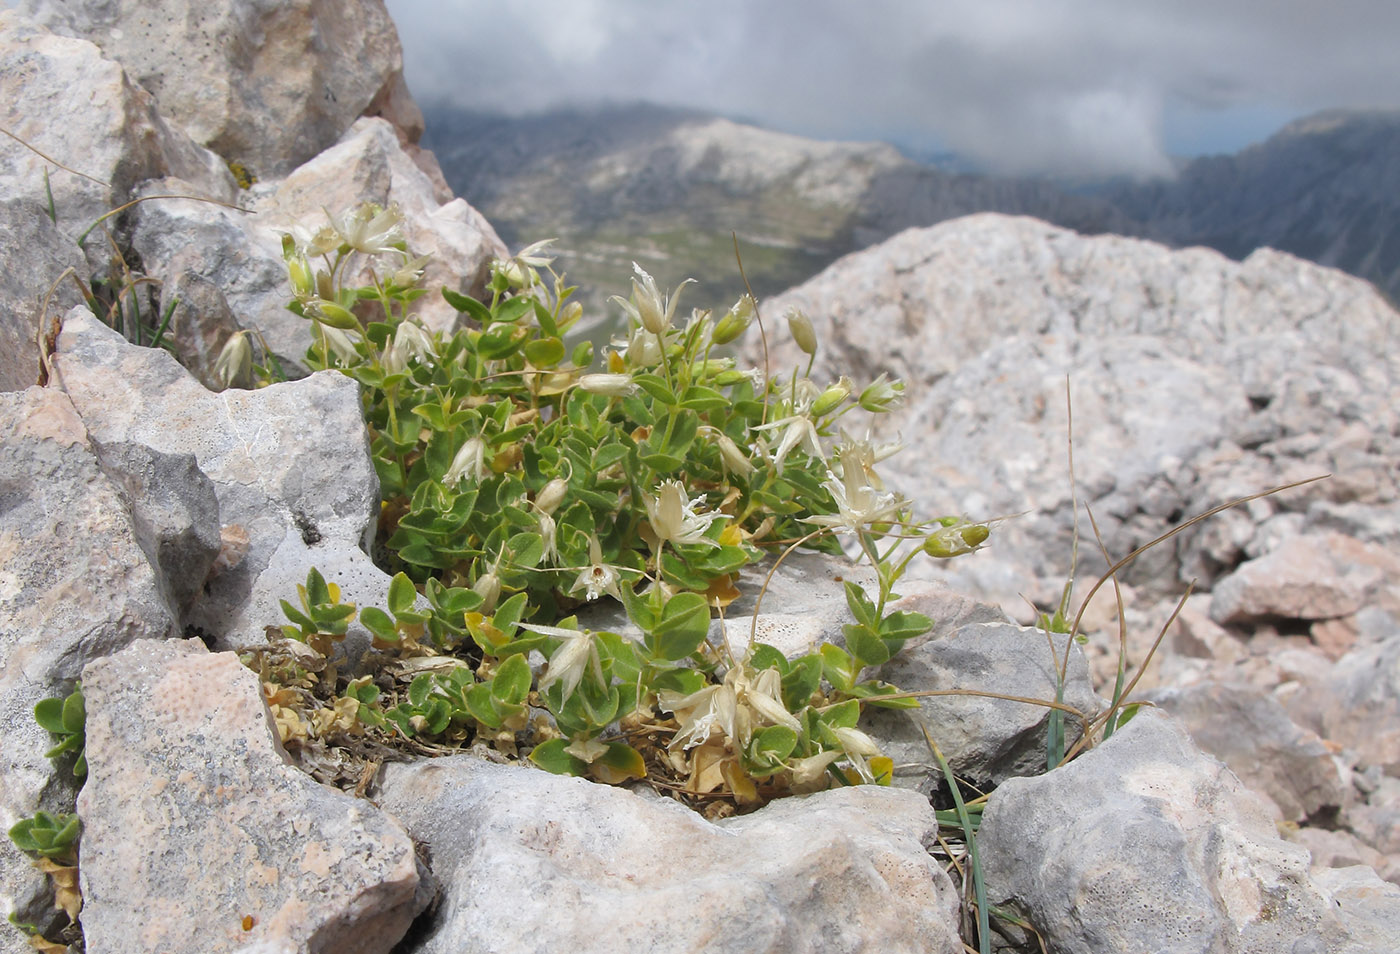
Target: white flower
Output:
[(410, 341), (574, 656), (370, 229), (407, 274), (735, 460), (674, 518), (598, 577), (798, 430), (858, 747), (470, 461), (648, 307), (235, 362), (700, 713), (341, 343), (532, 255), (882, 395), (858, 491)]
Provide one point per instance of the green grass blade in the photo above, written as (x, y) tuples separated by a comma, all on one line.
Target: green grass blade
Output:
[(979, 887)]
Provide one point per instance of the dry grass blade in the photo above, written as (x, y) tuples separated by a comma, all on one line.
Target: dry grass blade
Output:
[(47, 158)]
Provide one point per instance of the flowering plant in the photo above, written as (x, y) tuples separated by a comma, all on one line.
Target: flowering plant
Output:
[(520, 484)]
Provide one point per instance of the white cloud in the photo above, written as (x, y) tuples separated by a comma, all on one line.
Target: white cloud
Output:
[(1023, 84)]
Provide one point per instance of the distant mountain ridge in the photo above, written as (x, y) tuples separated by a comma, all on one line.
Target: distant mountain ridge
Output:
[(666, 187), (1325, 187)]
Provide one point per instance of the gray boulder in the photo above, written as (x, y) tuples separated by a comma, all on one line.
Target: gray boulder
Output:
[(289, 464), (266, 85), (75, 584), (984, 738), (36, 256), (200, 837), (65, 99), (1144, 844), (1251, 732), (532, 862)]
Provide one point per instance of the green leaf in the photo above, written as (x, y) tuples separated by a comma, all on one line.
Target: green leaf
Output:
[(618, 764), (511, 684), (296, 616), (551, 757), (861, 607), (470, 306), (513, 309), (901, 626), (544, 352), (865, 645), (317, 593), (525, 550), (49, 714), (838, 667), (843, 716), (683, 625), (702, 399), (768, 657), (380, 624), (481, 707), (871, 691), (655, 386), (801, 681), (420, 689), (402, 594), (773, 744)]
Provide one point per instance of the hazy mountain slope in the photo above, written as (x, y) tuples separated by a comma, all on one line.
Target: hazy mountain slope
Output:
[(1326, 188), (667, 188)]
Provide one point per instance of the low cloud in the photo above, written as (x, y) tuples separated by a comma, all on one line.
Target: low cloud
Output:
[(1077, 87)]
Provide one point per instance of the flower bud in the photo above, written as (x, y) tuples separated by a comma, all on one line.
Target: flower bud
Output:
[(611, 385), (956, 540), (735, 321), (882, 395), (802, 331), (832, 397), (734, 459), (488, 587), (569, 315), (234, 366), (329, 313), (549, 499)]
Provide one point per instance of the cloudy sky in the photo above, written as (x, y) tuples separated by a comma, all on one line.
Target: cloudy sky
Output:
[(1059, 86)]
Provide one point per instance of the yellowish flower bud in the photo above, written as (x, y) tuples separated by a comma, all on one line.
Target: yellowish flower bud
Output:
[(234, 366), (329, 313), (802, 331), (832, 397), (611, 385), (549, 499), (735, 321)]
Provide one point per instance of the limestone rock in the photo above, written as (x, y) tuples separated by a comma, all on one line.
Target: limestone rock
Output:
[(1143, 844), (1195, 379), (193, 821), (1368, 908), (175, 513), (987, 739), (65, 99), (1251, 733), (74, 585), (290, 466), (535, 862), (1305, 577), (267, 85), (36, 255), (1357, 704), (369, 164), (240, 254)]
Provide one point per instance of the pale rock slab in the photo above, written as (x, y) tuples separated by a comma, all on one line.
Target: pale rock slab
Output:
[(175, 512), (369, 164), (1195, 379), (75, 584), (532, 862), (1356, 704), (266, 84), (983, 738), (1251, 732), (1368, 908), (239, 253), (193, 818), (65, 99), (36, 255), (1305, 577), (1144, 844), (290, 466)]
